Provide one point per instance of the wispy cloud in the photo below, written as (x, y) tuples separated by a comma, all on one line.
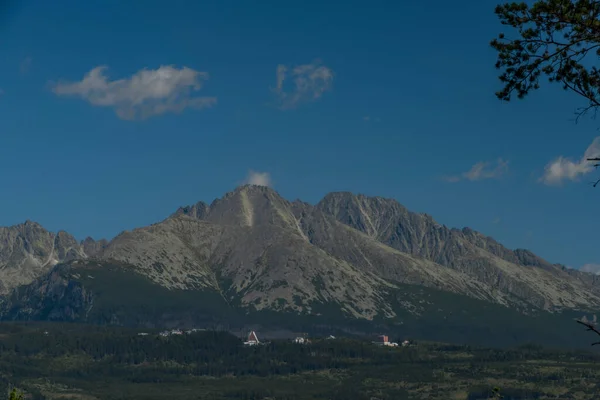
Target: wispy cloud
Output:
[(25, 65), (144, 94), (368, 118), (482, 170), (563, 169), (593, 268), (258, 178), (301, 84), (496, 220)]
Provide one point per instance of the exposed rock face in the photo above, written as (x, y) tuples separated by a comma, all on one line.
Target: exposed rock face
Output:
[(27, 251), (261, 251), (481, 257), (279, 254), (198, 210), (250, 246), (91, 247)]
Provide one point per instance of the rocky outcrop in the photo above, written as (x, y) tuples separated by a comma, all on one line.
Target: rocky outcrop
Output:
[(92, 247), (197, 211), (27, 251), (480, 257)]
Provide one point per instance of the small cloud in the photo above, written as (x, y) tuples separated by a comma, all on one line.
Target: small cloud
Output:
[(593, 268), (25, 65), (369, 118), (482, 170), (258, 178), (561, 168), (146, 93), (309, 82), (496, 220)]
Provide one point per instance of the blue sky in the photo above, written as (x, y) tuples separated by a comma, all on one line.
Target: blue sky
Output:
[(394, 99)]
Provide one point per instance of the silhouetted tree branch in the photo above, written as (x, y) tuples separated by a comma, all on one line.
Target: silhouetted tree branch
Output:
[(556, 38), (591, 326), (594, 184)]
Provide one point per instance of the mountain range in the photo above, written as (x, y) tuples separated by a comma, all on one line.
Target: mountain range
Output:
[(348, 260)]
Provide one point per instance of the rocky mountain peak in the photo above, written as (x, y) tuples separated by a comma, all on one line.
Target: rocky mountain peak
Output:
[(419, 234), (196, 211), (28, 250), (66, 248), (246, 206), (92, 247), (370, 215)]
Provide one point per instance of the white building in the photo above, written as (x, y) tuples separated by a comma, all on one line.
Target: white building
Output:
[(252, 339)]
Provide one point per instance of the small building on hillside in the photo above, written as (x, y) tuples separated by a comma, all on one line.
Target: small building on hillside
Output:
[(252, 339), (301, 340), (383, 340)]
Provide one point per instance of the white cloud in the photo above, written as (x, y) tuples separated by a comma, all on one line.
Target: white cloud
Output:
[(258, 178), (561, 168), (308, 83), (482, 170), (144, 94), (496, 220), (593, 268)]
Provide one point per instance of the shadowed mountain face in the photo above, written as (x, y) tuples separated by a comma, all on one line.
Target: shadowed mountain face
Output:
[(254, 250)]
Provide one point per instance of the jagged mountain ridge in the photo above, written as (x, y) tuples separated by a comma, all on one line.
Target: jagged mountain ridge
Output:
[(508, 277), (27, 251), (465, 250), (263, 248), (257, 249)]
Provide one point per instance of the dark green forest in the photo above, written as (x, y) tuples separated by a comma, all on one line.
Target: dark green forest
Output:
[(124, 298), (53, 361)]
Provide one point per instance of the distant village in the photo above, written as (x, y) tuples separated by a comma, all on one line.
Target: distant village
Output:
[(252, 339), (382, 340)]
